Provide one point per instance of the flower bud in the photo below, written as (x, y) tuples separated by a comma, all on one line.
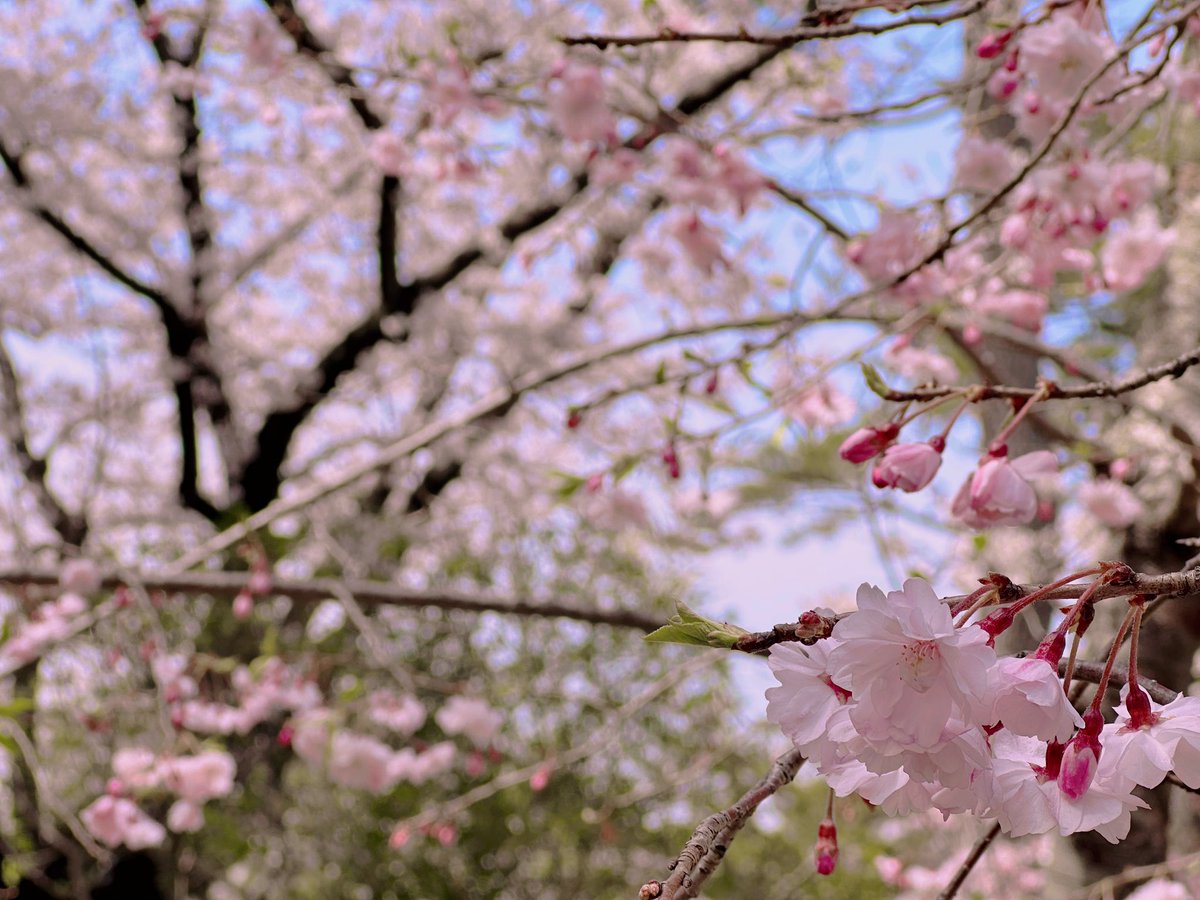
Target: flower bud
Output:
[(867, 443), (1081, 757), (826, 850), (908, 467)]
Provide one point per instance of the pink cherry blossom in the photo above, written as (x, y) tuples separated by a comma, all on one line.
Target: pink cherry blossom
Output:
[(1168, 741), (403, 714), (388, 153), (79, 576), (579, 105), (1111, 502), (908, 467), (185, 816), (820, 406), (999, 492), (1130, 254), (136, 768), (117, 820), (1022, 308), (806, 697), (201, 777), (699, 241), (1028, 698), (360, 762), (1081, 758), (470, 717), (919, 364), (907, 665), (983, 166), (1061, 54)]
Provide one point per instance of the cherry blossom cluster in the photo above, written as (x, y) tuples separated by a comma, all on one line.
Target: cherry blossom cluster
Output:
[(914, 711), (115, 818)]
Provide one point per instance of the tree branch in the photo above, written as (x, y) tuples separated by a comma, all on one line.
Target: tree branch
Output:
[(968, 864), (227, 585), (1051, 391), (713, 834), (813, 626), (72, 529), (786, 38), (261, 476)]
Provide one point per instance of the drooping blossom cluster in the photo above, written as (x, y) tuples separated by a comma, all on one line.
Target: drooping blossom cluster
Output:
[(912, 712)]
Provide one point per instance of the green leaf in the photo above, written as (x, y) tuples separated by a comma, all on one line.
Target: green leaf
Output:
[(875, 381), (660, 374), (688, 627), (16, 707), (568, 485)]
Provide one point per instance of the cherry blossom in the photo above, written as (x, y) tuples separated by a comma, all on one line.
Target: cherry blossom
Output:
[(806, 697), (470, 717), (117, 820), (907, 467), (907, 666), (1111, 502), (1000, 493)]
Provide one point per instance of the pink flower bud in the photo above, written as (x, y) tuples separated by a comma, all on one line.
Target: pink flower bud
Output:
[(908, 467), (243, 604), (993, 45), (259, 583), (539, 779), (826, 851), (399, 837), (1137, 705), (1081, 757), (867, 443), (475, 765)]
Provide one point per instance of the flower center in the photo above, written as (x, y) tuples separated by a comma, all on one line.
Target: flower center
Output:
[(920, 664)]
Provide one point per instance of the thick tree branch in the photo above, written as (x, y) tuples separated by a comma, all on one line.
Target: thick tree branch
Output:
[(199, 385), (72, 529), (262, 475)]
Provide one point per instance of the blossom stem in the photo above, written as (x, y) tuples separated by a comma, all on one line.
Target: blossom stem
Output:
[(929, 407), (967, 401), (1054, 585), (997, 446), (986, 595), (1102, 685)]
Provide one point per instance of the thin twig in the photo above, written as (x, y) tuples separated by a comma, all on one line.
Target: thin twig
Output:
[(1052, 391), (782, 39), (968, 864)]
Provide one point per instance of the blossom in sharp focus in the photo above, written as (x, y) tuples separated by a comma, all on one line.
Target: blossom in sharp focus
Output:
[(1168, 740), (806, 697), (1028, 698), (999, 492), (907, 666)]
